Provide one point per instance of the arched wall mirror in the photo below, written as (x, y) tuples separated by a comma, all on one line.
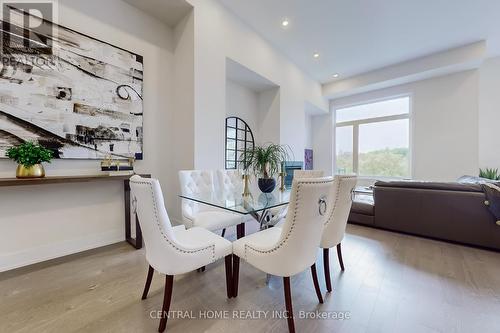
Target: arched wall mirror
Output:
[(239, 137)]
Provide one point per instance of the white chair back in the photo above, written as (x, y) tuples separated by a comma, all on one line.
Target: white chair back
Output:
[(155, 225), (308, 174), (192, 182), (166, 252), (336, 224), (230, 181), (308, 211)]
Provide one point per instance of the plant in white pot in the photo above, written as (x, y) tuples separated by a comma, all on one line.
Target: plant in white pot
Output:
[(265, 161)]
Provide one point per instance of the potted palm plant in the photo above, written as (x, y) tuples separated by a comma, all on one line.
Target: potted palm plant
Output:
[(265, 162), (29, 157)]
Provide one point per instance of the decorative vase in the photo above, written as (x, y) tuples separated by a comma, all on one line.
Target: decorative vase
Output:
[(246, 188), (267, 185), (34, 171)]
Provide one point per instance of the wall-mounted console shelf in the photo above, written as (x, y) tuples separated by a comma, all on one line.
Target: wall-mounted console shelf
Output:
[(135, 242)]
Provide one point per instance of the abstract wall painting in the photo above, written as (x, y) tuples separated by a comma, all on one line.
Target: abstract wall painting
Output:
[(308, 159), (83, 99)]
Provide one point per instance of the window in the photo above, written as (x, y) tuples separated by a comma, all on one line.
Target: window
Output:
[(239, 137), (373, 139)]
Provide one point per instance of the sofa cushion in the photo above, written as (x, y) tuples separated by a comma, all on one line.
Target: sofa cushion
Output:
[(444, 186), (362, 207)]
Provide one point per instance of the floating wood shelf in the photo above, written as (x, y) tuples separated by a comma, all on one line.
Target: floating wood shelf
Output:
[(135, 242), (60, 179)]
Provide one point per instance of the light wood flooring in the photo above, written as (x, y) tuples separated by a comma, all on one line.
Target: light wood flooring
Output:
[(392, 283)]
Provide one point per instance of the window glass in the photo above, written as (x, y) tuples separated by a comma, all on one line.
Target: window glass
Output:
[(385, 108), (344, 149), (384, 149), (369, 145)]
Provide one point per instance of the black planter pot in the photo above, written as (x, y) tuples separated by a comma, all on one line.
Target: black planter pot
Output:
[(267, 185)]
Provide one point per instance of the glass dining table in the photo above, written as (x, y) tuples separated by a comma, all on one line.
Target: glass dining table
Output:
[(257, 204)]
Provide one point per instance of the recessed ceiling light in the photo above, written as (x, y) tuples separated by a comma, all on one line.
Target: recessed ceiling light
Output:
[(316, 55), (285, 22), (336, 75)]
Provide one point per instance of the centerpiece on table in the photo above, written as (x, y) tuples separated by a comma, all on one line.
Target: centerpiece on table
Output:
[(29, 157), (265, 162)]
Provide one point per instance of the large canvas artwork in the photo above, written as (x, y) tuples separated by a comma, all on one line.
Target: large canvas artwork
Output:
[(83, 99)]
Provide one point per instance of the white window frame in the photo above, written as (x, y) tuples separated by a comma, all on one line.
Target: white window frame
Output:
[(355, 131)]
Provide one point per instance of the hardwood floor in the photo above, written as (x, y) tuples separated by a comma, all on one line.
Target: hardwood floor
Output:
[(392, 283)]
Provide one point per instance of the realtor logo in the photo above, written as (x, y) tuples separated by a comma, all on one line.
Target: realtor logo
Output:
[(27, 28)]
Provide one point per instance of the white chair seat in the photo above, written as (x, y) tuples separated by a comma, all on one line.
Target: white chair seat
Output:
[(216, 220), (199, 237), (261, 240)]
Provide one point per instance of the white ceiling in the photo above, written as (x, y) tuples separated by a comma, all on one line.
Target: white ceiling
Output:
[(169, 11), (356, 36)]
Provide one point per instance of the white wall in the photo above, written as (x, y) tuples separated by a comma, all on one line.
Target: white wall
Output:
[(444, 124), (309, 131), (43, 222), (489, 114), (242, 102), (268, 116), (218, 34), (178, 151), (322, 142)]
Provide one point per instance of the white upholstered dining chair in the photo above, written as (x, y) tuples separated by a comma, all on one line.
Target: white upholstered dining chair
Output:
[(173, 250), (199, 215), (290, 249), (230, 180), (280, 214), (335, 226)]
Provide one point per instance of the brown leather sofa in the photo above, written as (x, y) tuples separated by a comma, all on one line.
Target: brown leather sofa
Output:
[(447, 211)]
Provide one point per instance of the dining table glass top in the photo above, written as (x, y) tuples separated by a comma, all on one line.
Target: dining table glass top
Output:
[(255, 202)]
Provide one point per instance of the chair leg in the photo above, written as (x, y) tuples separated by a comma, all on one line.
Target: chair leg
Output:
[(316, 283), (167, 297), (240, 230), (229, 276), (223, 232), (236, 274), (288, 304), (326, 268), (339, 254), (201, 269), (148, 282)]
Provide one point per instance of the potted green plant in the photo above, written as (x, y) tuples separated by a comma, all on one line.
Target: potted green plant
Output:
[(29, 157), (265, 162), (489, 173)]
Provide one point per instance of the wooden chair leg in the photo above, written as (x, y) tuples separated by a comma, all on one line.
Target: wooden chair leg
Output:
[(167, 297), (148, 282), (223, 232), (288, 304), (240, 230), (339, 254), (316, 284), (236, 274), (229, 276), (326, 268)]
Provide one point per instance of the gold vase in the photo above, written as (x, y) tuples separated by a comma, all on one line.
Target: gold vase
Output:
[(35, 171), (246, 189)]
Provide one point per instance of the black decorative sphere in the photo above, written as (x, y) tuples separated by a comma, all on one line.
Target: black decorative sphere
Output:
[(267, 185)]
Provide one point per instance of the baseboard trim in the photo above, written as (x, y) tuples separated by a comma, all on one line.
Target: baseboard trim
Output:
[(46, 252)]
